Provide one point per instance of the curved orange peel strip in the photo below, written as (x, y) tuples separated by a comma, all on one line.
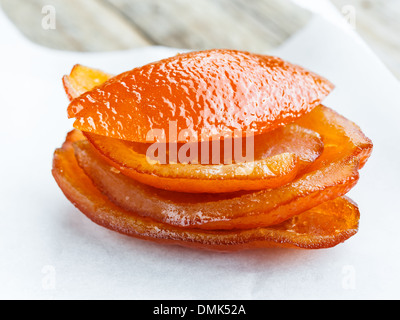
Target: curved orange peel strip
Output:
[(342, 138), (82, 79), (125, 157), (322, 227), (283, 153)]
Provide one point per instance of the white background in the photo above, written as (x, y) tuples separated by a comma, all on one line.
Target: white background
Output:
[(49, 250)]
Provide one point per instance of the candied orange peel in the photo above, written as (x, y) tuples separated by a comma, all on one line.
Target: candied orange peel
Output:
[(291, 193)]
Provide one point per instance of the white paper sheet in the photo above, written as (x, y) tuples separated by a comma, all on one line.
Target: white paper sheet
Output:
[(49, 250)]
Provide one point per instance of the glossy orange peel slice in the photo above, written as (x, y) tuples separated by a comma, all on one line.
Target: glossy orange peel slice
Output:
[(324, 226), (206, 92), (342, 138), (280, 155)]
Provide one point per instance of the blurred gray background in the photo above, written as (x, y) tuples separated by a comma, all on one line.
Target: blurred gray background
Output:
[(253, 25)]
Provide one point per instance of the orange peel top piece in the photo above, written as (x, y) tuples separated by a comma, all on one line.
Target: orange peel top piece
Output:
[(205, 93)]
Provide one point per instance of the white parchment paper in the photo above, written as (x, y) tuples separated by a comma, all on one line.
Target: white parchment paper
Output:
[(49, 250)]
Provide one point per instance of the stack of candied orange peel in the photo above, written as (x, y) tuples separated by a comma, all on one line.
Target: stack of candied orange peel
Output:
[(157, 153)]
